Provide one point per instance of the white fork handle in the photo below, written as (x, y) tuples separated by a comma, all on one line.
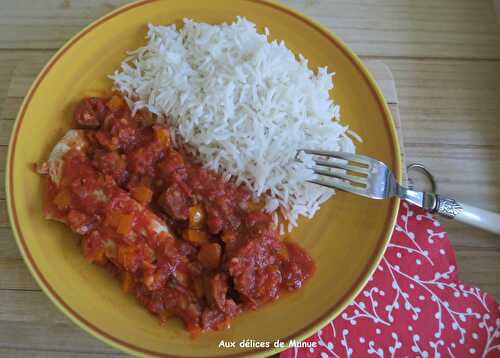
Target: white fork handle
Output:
[(452, 209), (483, 219)]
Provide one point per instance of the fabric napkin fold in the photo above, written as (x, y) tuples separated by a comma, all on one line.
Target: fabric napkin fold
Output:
[(414, 305)]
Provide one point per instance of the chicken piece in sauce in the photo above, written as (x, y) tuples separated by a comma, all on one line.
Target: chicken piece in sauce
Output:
[(182, 240)]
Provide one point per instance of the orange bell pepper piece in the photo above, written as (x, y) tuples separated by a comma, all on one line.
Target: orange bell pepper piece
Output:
[(142, 194), (62, 200), (115, 103), (210, 255), (197, 217), (162, 135), (125, 224), (195, 236)]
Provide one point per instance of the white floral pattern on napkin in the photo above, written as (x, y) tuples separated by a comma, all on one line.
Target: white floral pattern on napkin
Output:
[(414, 305)]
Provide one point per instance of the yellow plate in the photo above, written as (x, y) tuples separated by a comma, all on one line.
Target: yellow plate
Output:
[(346, 238)]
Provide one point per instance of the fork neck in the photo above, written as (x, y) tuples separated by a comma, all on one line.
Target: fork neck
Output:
[(421, 199)]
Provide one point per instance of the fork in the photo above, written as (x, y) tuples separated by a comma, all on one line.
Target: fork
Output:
[(365, 176)]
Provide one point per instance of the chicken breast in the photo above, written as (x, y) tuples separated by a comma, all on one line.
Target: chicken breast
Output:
[(73, 139), (101, 194)]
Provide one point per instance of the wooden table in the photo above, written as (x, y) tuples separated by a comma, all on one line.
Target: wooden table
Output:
[(445, 56)]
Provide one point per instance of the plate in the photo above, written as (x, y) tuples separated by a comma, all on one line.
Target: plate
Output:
[(346, 238)]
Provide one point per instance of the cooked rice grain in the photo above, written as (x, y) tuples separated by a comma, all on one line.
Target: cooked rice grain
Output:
[(245, 104)]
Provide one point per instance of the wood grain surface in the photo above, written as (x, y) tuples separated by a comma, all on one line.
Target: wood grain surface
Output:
[(443, 54)]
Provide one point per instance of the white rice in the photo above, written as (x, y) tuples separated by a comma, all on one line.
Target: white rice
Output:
[(245, 104)]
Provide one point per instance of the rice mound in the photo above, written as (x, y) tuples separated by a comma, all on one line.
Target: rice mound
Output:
[(243, 103)]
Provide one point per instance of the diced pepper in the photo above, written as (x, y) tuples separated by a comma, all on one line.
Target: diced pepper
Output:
[(115, 103), (62, 200), (210, 255), (125, 224), (127, 281), (112, 219), (198, 287), (162, 135), (197, 217), (195, 236), (142, 194)]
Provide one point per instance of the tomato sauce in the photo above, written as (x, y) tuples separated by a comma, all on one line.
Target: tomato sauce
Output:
[(181, 239)]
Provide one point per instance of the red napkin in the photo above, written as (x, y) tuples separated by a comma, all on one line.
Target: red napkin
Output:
[(414, 304)]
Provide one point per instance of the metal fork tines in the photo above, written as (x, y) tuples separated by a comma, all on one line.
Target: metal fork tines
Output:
[(357, 174), (365, 176)]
